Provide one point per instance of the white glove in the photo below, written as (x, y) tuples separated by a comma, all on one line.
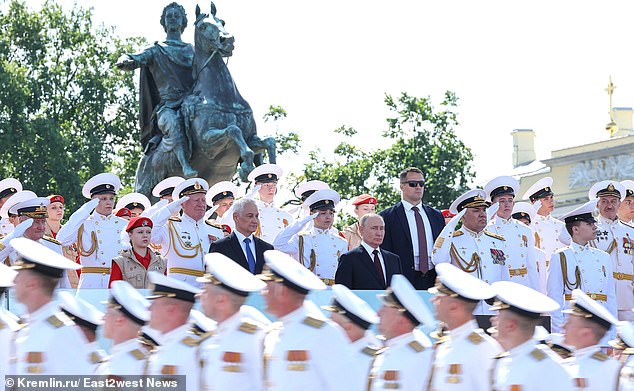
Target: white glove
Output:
[(492, 210), (253, 192), (537, 205), (211, 211), (151, 211), (309, 218), (124, 240), (18, 231), (175, 206), (86, 209)]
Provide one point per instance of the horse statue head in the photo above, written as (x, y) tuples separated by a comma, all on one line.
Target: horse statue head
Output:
[(211, 35)]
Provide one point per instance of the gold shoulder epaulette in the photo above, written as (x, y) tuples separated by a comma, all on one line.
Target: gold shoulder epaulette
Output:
[(213, 224), (96, 358), (475, 338), (190, 341), (628, 351), (174, 218), (51, 239), (138, 354), (600, 356), (56, 320), (370, 351), (458, 233), (248, 328), (416, 346), (496, 236), (538, 354), (439, 241), (314, 322)]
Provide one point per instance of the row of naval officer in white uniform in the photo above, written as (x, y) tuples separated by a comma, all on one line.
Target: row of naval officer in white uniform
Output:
[(241, 349)]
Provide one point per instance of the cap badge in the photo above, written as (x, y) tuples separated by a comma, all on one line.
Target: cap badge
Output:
[(108, 186), (610, 187), (523, 214), (506, 188), (144, 223), (224, 193), (12, 190), (547, 188), (135, 204), (270, 175), (41, 208), (478, 198), (326, 202), (197, 186)]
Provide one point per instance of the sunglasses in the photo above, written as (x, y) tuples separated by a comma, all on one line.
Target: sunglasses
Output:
[(415, 183)]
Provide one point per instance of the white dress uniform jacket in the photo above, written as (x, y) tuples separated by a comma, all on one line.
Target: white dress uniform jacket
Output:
[(482, 253), (43, 346), (464, 359), (98, 243), (592, 370), (54, 245), (521, 263), (5, 227), (363, 352), (178, 354), (304, 351), (547, 230), (530, 367), (317, 249), (626, 375), (617, 239), (126, 358), (8, 327), (404, 364), (272, 220), (232, 356), (185, 242), (582, 267)]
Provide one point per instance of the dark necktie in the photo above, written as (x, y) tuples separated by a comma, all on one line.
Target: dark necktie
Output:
[(377, 265), (250, 258), (422, 241)]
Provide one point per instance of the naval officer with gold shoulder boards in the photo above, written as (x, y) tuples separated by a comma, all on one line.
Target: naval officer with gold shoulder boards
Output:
[(580, 266), (526, 365), (588, 322), (521, 262), (185, 240), (232, 356), (303, 350), (405, 362), (43, 345), (127, 311), (617, 239), (97, 232), (463, 358), (316, 247), (472, 248), (355, 317)]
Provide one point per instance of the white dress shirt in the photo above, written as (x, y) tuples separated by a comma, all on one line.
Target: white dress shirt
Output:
[(411, 222), (370, 251), (242, 246)]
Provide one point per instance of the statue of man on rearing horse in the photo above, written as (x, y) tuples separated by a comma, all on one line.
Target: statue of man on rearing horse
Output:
[(194, 122)]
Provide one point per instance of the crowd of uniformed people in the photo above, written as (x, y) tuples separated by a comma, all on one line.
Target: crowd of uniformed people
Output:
[(521, 300)]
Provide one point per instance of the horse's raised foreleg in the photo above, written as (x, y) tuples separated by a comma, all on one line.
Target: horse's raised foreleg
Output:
[(234, 134)]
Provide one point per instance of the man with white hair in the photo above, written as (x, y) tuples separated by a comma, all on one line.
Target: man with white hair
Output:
[(242, 246)]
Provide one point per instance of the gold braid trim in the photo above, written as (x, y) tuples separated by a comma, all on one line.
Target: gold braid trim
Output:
[(80, 246), (468, 267), (258, 230), (301, 249), (613, 245), (172, 232), (313, 260), (538, 240), (564, 273)]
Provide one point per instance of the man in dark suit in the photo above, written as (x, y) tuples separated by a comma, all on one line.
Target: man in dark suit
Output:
[(241, 245), (368, 267), (411, 229)]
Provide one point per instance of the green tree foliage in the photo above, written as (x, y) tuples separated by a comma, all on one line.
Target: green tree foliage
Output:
[(286, 141), (417, 135), (65, 112)]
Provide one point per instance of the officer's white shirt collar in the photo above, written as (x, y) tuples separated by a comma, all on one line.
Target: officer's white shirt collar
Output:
[(579, 247), (124, 346), (400, 340), (320, 231), (241, 237), (524, 348), (187, 218), (499, 220), (267, 204), (585, 352), (472, 233), (369, 249), (604, 220), (43, 312), (463, 330), (544, 218), (102, 217), (295, 316), (231, 323), (175, 334)]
